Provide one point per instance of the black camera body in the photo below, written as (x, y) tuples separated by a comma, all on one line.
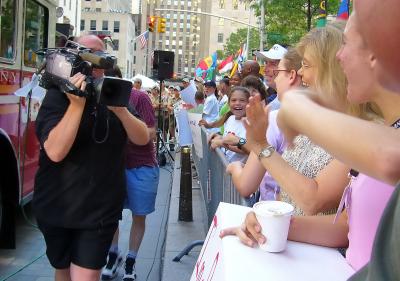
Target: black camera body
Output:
[(63, 63)]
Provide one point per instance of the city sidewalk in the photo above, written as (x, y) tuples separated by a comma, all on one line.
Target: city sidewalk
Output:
[(180, 234), (30, 253)]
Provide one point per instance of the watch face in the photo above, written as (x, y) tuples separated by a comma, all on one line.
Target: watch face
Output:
[(242, 141), (266, 153)]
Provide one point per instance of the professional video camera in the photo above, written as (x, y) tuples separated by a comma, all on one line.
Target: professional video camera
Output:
[(62, 63)]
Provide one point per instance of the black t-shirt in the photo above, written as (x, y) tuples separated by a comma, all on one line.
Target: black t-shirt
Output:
[(87, 188)]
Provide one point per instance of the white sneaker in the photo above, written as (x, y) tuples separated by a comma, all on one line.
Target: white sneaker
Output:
[(130, 272), (111, 269)]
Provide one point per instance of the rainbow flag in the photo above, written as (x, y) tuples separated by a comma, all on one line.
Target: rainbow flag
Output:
[(206, 67), (343, 12)]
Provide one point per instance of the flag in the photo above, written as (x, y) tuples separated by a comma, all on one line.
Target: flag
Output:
[(343, 12), (321, 18), (226, 65), (241, 56), (143, 39), (206, 67)]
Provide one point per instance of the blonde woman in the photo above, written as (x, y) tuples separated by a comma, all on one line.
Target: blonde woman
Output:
[(307, 175)]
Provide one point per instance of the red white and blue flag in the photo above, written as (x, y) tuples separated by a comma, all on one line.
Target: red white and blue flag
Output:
[(343, 12), (143, 38)]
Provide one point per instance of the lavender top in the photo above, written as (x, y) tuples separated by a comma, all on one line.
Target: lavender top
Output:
[(268, 186)]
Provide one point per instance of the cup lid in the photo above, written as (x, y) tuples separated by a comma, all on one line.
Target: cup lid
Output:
[(273, 208)]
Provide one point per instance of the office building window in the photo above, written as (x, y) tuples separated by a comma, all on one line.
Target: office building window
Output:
[(116, 26), (116, 44), (82, 25), (105, 25), (222, 4), (221, 22), (98, 10), (220, 38), (92, 25), (235, 4)]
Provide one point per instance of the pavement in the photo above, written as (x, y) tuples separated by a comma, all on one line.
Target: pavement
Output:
[(180, 234), (165, 237)]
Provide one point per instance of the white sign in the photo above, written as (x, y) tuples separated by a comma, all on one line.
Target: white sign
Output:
[(188, 94), (228, 259), (194, 119), (182, 124)]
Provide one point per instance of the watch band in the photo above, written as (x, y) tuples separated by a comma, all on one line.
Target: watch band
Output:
[(266, 152), (242, 141)]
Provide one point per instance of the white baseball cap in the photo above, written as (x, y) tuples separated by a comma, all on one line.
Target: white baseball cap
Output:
[(275, 53)]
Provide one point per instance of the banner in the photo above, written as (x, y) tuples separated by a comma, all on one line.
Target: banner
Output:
[(194, 119), (228, 259)]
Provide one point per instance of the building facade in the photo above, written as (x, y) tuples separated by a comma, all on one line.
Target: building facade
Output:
[(69, 13), (220, 29), (190, 35), (183, 34), (114, 22)]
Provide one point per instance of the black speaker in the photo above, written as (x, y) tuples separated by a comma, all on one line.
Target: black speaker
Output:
[(163, 64)]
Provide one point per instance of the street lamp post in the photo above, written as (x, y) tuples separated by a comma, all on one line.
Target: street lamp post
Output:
[(207, 14), (223, 17), (262, 25)]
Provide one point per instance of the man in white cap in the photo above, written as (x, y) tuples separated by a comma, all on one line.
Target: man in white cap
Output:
[(271, 58)]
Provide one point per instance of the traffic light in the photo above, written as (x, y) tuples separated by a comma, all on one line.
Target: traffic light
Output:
[(161, 25), (152, 23)]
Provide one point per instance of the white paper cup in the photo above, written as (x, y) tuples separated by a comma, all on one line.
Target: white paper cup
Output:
[(274, 218)]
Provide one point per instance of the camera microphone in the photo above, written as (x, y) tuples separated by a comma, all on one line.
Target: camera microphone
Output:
[(98, 60)]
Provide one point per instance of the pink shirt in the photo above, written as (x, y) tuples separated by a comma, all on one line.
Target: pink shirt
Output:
[(365, 202)]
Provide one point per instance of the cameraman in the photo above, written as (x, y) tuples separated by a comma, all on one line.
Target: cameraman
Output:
[(80, 184)]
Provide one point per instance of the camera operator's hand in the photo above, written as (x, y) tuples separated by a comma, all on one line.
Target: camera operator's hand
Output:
[(136, 129), (62, 136), (79, 82)]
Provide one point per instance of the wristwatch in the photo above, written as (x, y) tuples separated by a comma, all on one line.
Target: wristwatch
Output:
[(242, 141), (266, 152)]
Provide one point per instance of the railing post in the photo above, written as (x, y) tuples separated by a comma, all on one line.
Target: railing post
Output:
[(185, 197)]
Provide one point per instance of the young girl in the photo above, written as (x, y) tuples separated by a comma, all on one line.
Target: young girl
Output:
[(238, 100), (253, 176)]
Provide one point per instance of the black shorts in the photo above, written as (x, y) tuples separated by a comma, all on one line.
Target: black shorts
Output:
[(87, 248)]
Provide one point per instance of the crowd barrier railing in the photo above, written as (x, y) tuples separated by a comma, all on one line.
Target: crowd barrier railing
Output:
[(215, 183)]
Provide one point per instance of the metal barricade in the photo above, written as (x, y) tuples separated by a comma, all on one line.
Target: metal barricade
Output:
[(215, 183)]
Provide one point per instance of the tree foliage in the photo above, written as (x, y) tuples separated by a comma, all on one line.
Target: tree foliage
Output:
[(286, 21), (237, 39)]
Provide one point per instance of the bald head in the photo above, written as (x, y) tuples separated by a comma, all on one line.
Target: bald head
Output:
[(382, 37), (95, 44), (92, 42), (251, 67)]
